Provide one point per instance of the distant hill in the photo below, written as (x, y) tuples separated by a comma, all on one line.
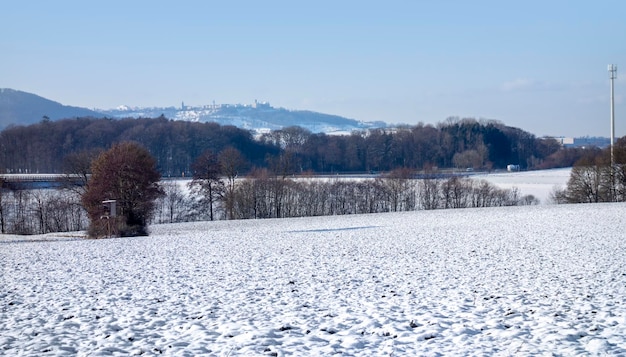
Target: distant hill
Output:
[(21, 108), (257, 117)]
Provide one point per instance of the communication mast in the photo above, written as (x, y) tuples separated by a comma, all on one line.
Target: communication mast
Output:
[(612, 76)]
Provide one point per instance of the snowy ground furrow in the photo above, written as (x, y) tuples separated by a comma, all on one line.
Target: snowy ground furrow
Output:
[(499, 281)]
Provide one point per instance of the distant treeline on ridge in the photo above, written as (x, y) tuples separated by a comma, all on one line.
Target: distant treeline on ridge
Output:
[(459, 143)]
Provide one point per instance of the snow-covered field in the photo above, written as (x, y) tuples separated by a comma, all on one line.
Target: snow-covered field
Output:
[(532, 280), (538, 183)]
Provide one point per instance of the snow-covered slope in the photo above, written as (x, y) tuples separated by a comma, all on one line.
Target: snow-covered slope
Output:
[(524, 281), (257, 118)]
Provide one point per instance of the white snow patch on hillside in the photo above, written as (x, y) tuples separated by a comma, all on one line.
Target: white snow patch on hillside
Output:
[(530, 280)]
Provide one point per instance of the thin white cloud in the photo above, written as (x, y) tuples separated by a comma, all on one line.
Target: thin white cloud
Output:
[(518, 84), (527, 85)]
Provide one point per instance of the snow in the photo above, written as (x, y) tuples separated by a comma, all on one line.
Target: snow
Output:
[(531, 280), (257, 120), (538, 183)]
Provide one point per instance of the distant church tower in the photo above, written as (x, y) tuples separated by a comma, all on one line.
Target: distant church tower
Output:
[(182, 105)]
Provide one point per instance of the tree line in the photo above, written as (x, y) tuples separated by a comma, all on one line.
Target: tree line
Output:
[(127, 174), (216, 192), (41, 211), (45, 146), (262, 194), (237, 176), (456, 143), (175, 145)]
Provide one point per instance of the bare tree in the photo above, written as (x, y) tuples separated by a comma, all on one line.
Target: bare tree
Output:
[(455, 192), (282, 167), (244, 200), (589, 181), (429, 194), (40, 210), (173, 205), (207, 181), (398, 187), (231, 161), (469, 158), (2, 207), (77, 169)]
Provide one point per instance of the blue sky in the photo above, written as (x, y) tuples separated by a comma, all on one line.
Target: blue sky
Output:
[(537, 65)]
